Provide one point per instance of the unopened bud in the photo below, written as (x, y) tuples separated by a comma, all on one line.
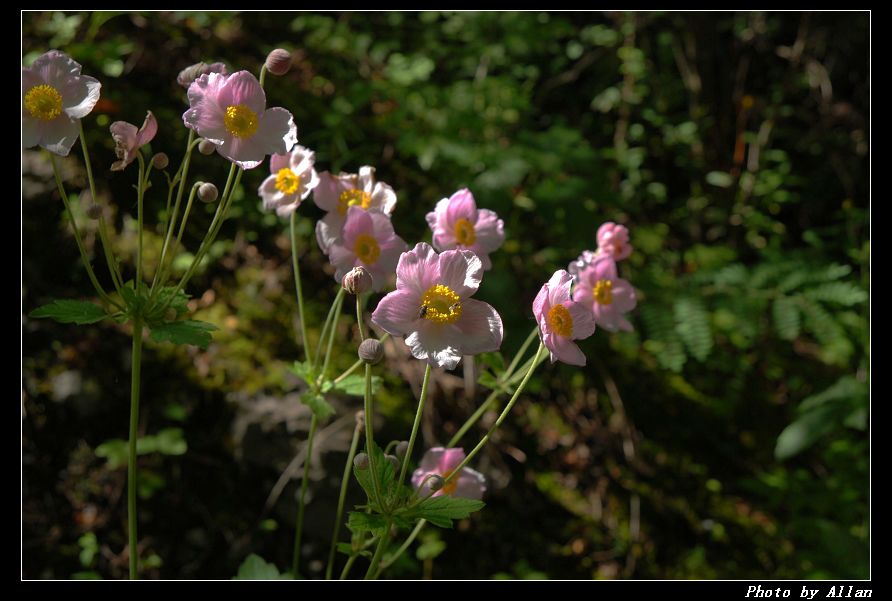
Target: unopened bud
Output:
[(278, 62), (401, 449), (160, 161), (393, 461), (361, 461), (436, 482), (207, 192), (371, 351), (206, 147), (193, 72), (357, 281)]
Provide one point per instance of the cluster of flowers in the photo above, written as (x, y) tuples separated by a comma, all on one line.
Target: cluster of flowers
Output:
[(431, 308)]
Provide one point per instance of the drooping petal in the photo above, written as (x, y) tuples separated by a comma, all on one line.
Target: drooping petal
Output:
[(481, 326), (397, 312), (461, 270), (148, 130)]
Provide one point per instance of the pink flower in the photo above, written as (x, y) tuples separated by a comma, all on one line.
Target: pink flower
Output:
[(292, 180), (54, 97), (613, 240), (128, 140), (607, 295), (442, 462), (561, 321), (432, 307), (584, 260), (230, 111), (368, 241), (336, 194), (457, 223)]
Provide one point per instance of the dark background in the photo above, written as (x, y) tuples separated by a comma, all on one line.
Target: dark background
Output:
[(726, 437)]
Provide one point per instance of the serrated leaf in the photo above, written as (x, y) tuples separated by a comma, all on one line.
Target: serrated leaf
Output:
[(304, 370), (169, 297), (196, 333), (70, 311), (358, 521), (256, 568), (664, 342), (841, 293), (354, 385), (692, 325), (786, 317), (440, 511), (318, 405), (385, 472)]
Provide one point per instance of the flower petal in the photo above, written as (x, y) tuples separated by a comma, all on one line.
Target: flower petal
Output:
[(583, 319), (398, 312), (461, 206), (418, 269), (80, 95), (59, 135), (565, 350), (489, 230), (450, 459), (277, 162), (481, 326), (242, 88), (470, 485), (148, 130), (462, 271), (559, 287), (383, 198), (205, 116), (328, 230), (437, 344)]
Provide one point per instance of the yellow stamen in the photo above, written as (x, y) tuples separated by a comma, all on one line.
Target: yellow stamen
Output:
[(560, 321), (367, 249), (440, 304), (44, 102), (240, 121), (287, 181), (464, 232), (451, 485), (351, 197), (603, 292)]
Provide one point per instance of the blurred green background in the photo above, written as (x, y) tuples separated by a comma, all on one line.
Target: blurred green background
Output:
[(726, 437)]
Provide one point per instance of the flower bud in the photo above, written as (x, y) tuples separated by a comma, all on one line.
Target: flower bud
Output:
[(193, 72), (278, 62), (371, 351), (160, 161), (401, 449), (207, 192), (357, 281), (206, 147), (361, 461), (436, 482), (393, 461)]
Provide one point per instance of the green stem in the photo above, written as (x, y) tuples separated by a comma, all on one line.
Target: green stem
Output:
[(357, 364), (483, 408), (501, 418), (136, 364), (421, 399), (350, 561), (386, 563), (299, 526), (521, 352), (342, 497), (171, 219), (379, 551), (369, 435), (329, 316), (359, 320), (297, 285), (176, 244), (77, 238), (339, 301), (140, 192)]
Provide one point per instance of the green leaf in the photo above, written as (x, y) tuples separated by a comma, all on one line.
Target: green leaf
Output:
[(169, 297), (692, 325), (318, 405), (256, 568), (168, 441), (786, 317), (803, 432), (494, 361), (841, 293), (70, 311), (488, 380), (345, 548), (385, 473), (358, 521), (846, 388), (196, 333), (354, 385), (440, 511)]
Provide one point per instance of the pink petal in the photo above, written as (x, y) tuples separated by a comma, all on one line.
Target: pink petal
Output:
[(418, 269), (301, 160), (328, 230), (398, 312), (624, 295), (148, 130), (383, 198), (326, 194), (450, 459), (277, 162), (205, 115), (541, 304), (58, 135), (242, 88), (559, 287), (79, 96), (275, 134), (358, 222), (431, 459), (489, 230), (30, 79), (481, 326), (271, 195), (583, 320), (461, 270), (461, 206), (470, 485), (55, 68), (565, 350), (583, 293), (366, 179), (438, 345)]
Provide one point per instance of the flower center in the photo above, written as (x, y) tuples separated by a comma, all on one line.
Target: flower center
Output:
[(464, 232), (240, 121), (287, 181), (451, 485), (440, 304), (603, 292), (351, 197), (44, 102), (367, 249), (560, 321)]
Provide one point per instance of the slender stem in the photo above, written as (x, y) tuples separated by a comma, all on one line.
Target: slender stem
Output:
[(359, 320), (501, 418), (262, 77), (334, 328), (186, 213), (297, 285), (369, 435), (342, 497), (171, 219), (136, 364), (521, 352), (386, 563), (299, 526), (350, 561), (483, 408), (379, 551), (140, 192), (329, 316), (421, 399), (77, 238), (357, 364)]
